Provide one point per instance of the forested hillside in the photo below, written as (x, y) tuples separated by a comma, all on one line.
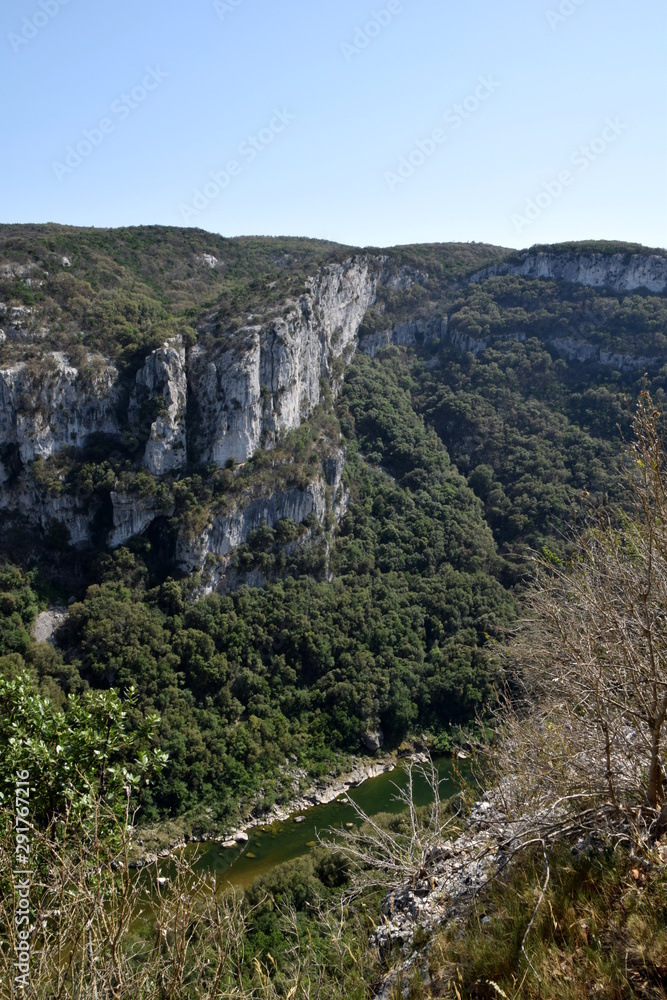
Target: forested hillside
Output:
[(487, 416)]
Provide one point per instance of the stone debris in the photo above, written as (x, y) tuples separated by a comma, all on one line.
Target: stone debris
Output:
[(454, 873), (47, 624)]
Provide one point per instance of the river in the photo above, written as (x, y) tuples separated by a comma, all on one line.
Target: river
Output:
[(280, 842)]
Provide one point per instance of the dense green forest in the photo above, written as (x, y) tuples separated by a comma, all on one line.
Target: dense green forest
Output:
[(457, 471), (459, 466)]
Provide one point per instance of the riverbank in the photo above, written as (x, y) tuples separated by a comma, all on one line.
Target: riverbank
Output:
[(159, 841)]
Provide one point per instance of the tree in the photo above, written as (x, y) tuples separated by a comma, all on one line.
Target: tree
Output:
[(585, 749), (381, 857), (76, 758)]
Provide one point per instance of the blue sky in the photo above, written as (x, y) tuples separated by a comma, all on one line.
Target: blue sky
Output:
[(399, 121)]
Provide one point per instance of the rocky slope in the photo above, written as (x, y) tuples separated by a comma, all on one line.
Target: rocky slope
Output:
[(220, 402)]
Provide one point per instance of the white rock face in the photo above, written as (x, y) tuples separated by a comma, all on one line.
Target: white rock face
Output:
[(269, 382), (617, 272), (164, 376), (404, 335), (131, 516), (67, 511), (227, 532), (340, 497), (57, 405)]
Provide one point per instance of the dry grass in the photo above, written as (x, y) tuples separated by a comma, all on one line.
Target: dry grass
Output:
[(601, 932)]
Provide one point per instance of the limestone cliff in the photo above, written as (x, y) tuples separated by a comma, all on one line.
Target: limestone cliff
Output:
[(163, 382), (265, 380), (617, 272), (131, 516), (239, 390), (210, 550), (270, 379), (52, 405), (404, 335)]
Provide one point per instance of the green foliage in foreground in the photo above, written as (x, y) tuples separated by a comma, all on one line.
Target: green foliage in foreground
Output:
[(74, 758)]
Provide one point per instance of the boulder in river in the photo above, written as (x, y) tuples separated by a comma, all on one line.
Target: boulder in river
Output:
[(373, 741)]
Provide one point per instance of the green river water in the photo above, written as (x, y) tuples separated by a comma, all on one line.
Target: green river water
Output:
[(273, 845)]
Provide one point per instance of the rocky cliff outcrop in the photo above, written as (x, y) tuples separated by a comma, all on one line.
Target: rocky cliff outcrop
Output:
[(53, 405), (131, 516), (581, 350), (239, 391), (226, 532), (269, 380), (47, 510), (228, 403), (404, 335), (617, 272), (162, 384)]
